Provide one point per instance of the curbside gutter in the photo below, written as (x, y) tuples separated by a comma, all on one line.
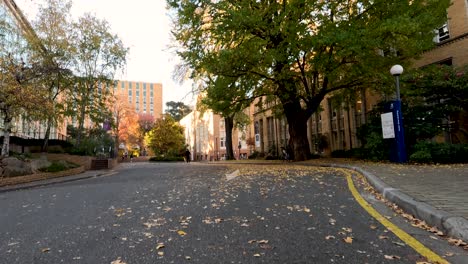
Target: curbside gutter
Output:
[(454, 226), (55, 180)]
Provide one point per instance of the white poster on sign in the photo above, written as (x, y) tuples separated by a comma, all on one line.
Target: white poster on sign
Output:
[(388, 129), (257, 140)]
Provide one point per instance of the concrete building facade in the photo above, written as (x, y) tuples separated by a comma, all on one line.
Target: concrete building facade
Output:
[(205, 135), (144, 97)]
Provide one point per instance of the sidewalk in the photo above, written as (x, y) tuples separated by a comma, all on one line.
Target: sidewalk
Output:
[(437, 194)]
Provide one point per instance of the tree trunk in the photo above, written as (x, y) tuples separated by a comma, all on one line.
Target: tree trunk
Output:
[(6, 136), (80, 126), (45, 145), (229, 124), (297, 121)]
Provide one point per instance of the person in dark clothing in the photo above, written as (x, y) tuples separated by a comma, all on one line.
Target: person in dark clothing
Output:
[(187, 156)]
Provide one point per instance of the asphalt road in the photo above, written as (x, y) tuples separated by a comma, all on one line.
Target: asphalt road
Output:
[(194, 213)]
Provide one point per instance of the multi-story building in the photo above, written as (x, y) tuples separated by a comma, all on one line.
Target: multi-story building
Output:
[(205, 135), (144, 97), (452, 50)]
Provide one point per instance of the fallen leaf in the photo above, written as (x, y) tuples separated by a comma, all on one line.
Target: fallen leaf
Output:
[(160, 245), (347, 229), (252, 241), (160, 253), (262, 242), (457, 242), (373, 227), (332, 221), (399, 243), (383, 237), (392, 257), (188, 257), (44, 250), (449, 254), (181, 233), (256, 255), (348, 240), (329, 237), (118, 261)]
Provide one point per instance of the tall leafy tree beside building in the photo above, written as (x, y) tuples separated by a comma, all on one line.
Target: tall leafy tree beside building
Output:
[(166, 138), (18, 75), (177, 110), (301, 51), (53, 43), (98, 55)]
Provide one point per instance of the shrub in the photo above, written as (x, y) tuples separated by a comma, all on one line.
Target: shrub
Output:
[(254, 155), (440, 152), (57, 166), (165, 159), (421, 156)]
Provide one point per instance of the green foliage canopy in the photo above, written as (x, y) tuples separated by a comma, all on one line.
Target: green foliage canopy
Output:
[(299, 51), (177, 110), (166, 138)]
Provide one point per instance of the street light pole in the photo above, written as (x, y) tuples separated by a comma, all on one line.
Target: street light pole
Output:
[(401, 156)]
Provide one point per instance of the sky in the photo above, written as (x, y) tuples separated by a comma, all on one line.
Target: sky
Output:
[(144, 27)]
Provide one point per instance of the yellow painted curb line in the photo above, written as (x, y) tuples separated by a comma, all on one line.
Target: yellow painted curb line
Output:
[(405, 237)]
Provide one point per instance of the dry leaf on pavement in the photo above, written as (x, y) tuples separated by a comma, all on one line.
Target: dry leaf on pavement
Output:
[(160, 245), (348, 240), (118, 261), (392, 257), (181, 233)]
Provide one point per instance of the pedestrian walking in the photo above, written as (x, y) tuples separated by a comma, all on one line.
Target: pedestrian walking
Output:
[(187, 156), (285, 154)]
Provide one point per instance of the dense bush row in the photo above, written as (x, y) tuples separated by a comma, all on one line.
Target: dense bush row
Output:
[(162, 158), (425, 152)]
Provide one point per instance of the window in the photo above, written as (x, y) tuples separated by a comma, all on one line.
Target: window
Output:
[(129, 85), (138, 85), (122, 85), (442, 34), (221, 142)]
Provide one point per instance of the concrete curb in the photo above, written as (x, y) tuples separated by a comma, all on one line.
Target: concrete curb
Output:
[(454, 226), (57, 180)]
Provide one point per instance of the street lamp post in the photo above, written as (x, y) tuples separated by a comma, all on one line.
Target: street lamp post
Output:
[(400, 155)]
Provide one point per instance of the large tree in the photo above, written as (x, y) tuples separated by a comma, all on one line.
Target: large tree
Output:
[(218, 95), (98, 54), (18, 74), (177, 110), (166, 138), (53, 42), (302, 50)]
